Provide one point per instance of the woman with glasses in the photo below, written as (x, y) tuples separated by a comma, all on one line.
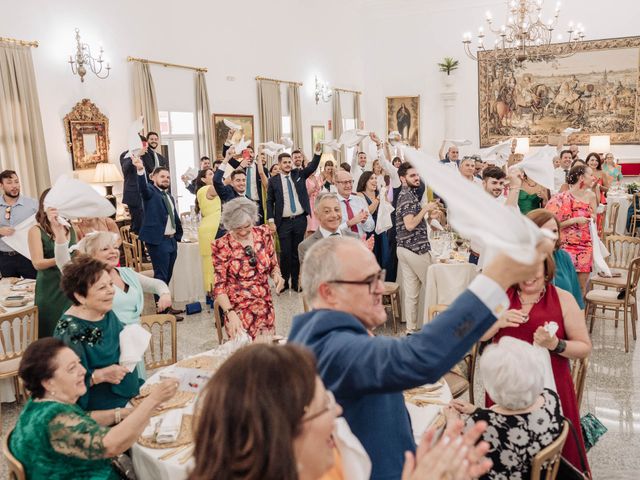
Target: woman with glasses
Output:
[(243, 261)]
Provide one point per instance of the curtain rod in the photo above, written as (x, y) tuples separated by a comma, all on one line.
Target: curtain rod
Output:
[(279, 81), (166, 64), (357, 92), (24, 43)]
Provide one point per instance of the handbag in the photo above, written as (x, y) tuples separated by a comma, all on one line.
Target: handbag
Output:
[(192, 308), (123, 465), (592, 430), (567, 471)]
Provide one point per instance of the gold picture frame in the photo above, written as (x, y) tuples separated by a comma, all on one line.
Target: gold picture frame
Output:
[(87, 134), (318, 133), (595, 90), (220, 130), (403, 115)]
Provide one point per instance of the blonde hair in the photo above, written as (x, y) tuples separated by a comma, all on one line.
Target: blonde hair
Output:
[(96, 241)]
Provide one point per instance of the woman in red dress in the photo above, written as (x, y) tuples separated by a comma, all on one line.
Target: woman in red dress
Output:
[(533, 304), (243, 261)]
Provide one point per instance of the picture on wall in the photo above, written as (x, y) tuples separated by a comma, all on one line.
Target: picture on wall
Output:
[(403, 115), (221, 130), (87, 134), (317, 134), (594, 90)]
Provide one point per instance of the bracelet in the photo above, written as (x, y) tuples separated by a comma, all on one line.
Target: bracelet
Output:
[(118, 415), (93, 378), (560, 347)]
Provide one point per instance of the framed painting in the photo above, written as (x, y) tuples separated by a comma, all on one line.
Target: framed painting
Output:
[(403, 115), (221, 130), (594, 90), (87, 132), (317, 134)]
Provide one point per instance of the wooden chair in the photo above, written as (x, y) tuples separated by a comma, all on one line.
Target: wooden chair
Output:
[(140, 266), (546, 463), (159, 337), (17, 331), (392, 294), (129, 254), (16, 470), (610, 228), (579, 369), (608, 300), (635, 216), (218, 319), (125, 233)]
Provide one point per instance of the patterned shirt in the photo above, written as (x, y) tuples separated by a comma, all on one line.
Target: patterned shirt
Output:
[(416, 240)]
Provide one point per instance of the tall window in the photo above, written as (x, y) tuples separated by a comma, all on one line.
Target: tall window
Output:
[(178, 143)]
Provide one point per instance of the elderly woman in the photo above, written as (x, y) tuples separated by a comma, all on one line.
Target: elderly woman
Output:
[(243, 260), (532, 305), (92, 330), (611, 169), (53, 437), (526, 416)]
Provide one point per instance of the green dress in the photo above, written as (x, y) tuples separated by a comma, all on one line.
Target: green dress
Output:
[(58, 441), (49, 299), (98, 346), (528, 202)]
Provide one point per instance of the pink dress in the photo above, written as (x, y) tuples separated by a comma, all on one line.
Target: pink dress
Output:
[(575, 239), (313, 188)]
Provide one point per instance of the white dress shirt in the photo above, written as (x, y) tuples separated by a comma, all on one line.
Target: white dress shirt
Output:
[(390, 169), (286, 210), (357, 204), (559, 179), (327, 233)]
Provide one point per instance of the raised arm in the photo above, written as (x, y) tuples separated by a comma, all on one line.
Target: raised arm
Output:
[(314, 163), (36, 251), (143, 184)]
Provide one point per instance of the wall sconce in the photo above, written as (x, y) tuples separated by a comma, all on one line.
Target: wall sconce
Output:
[(522, 145), (323, 91), (84, 59), (600, 143)]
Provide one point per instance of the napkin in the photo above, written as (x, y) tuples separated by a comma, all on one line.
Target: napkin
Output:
[(539, 166), (150, 430), (568, 131), (436, 225), (497, 154), (191, 173), (331, 144), (19, 241), (240, 341), (276, 147), (351, 138), (545, 358), (231, 125), (600, 252), (460, 143), (356, 464), (76, 199), (475, 215), (287, 142), (241, 145), (169, 429), (134, 341), (134, 143)]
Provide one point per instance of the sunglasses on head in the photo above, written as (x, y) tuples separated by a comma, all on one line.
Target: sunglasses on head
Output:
[(253, 260), (7, 213)]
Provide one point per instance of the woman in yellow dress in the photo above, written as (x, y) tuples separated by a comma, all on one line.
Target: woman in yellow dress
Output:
[(210, 208)]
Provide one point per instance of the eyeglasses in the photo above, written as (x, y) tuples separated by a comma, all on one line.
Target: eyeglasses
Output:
[(373, 280), (331, 406), (7, 213), (253, 260)]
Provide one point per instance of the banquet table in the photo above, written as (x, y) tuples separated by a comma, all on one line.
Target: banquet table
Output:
[(445, 281), (149, 466), (625, 201), (186, 283)]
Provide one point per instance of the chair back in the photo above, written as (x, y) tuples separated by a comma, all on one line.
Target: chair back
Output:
[(622, 250), (579, 369), (129, 254), (125, 233), (218, 319), (16, 470), (547, 462), (633, 276), (613, 217), (436, 309), (164, 336), (17, 331), (138, 250)]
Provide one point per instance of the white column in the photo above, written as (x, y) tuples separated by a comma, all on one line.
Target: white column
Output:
[(449, 100)]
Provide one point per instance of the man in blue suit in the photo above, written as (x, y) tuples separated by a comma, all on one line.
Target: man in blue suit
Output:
[(344, 284), (130, 191), (161, 228)]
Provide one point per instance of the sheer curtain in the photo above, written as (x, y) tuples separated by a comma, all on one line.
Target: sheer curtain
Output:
[(203, 118), (296, 117), (337, 124), (22, 146), (144, 97), (269, 111)]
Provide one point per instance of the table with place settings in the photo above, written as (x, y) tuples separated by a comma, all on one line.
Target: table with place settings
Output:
[(445, 281), (624, 200), (186, 284)]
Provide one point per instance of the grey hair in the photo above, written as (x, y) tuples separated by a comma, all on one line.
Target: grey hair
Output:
[(512, 373), (96, 241), (322, 196), (321, 264), (238, 212)]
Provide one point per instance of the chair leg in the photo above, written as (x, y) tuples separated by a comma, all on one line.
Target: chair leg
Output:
[(617, 316), (590, 313), (634, 319), (395, 313), (626, 332)]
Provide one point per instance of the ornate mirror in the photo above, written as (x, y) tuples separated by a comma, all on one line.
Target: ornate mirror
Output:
[(87, 131)]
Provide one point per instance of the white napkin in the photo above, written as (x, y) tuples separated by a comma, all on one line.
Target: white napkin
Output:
[(287, 142), (240, 341), (351, 138), (19, 241), (169, 429), (241, 145), (356, 464), (76, 199), (600, 252), (134, 341), (150, 430), (460, 143), (190, 174), (475, 215), (385, 209), (497, 154), (568, 131), (545, 358), (231, 125), (133, 138), (436, 225), (331, 144), (539, 166), (276, 147)]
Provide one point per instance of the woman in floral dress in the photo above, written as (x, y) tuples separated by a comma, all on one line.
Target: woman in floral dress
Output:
[(243, 261)]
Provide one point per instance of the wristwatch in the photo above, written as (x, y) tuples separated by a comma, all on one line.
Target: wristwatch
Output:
[(561, 347)]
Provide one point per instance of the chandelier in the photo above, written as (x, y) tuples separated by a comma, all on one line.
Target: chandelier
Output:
[(84, 59), (525, 36)]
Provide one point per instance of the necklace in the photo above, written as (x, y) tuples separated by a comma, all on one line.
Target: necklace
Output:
[(540, 295)]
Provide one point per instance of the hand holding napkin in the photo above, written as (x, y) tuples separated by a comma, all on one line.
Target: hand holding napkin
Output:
[(76, 199), (539, 166), (134, 341), (170, 427)]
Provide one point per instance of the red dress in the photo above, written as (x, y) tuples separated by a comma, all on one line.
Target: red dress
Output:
[(548, 309), (247, 287)]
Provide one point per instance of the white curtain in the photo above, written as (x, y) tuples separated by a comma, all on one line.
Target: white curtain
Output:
[(144, 97), (22, 146), (203, 118), (270, 111), (356, 109), (337, 124), (296, 116)]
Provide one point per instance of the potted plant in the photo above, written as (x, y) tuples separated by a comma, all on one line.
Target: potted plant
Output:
[(448, 65)]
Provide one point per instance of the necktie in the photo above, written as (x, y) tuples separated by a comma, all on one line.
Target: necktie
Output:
[(167, 203), (335, 234), (248, 191), (566, 174), (292, 200), (347, 204), (155, 156)]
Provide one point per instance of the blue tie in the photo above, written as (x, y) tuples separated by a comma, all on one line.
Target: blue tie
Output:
[(248, 192), (292, 200)]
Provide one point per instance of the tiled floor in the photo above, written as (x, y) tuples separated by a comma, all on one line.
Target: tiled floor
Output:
[(610, 390)]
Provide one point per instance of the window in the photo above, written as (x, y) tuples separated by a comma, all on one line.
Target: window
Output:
[(178, 141)]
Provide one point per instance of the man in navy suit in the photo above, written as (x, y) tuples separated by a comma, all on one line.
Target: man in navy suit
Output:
[(287, 209), (130, 191), (367, 374), (152, 159), (161, 228), (256, 177)]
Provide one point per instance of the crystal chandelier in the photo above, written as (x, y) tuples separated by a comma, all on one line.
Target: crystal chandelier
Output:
[(84, 59), (525, 36)]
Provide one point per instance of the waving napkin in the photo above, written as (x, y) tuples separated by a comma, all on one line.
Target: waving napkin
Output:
[(276, 147), (351, 138), (287, 142), (169, 429), (76, 199), (497, 154), (19, 241), (539, 166), (241, 145), (460, 143), (476, 215), (355, 461), (231, 125), (331, 144), (134, 142), (134, 341)]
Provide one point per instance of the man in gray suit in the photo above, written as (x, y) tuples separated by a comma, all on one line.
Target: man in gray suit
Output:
[(329, 215)]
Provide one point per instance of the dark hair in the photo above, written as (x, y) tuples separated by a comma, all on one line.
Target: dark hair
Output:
[(296, 151), (362, 182), (577, 161), (396, 159), (361, 153), (272, 167), (7, 174), (238, 171), (159, 169), (566, 151), (152, 133), (597, 157), (345, 166), (216, 162), (200, 183), (540, 216), (142, 138), (493, 172), (404, 168), (250, 413), (202, 159), (41, 215), (79, 275), (329, 163), (283, 155), (38, 364), (575, 173)]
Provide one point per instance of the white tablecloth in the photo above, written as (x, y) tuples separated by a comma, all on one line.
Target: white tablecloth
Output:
[(621, 223), (445, 281), (186, 284)]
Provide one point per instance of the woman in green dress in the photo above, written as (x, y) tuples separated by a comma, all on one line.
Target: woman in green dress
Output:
[(50, 300), (91, 329), (53, 438)]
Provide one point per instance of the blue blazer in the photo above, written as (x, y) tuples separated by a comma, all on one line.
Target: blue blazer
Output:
[(130, 190), (368, 374), (155, 214), (275, 195), (225, 192)]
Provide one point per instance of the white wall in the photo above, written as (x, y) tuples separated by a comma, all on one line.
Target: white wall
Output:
[(285, 39)]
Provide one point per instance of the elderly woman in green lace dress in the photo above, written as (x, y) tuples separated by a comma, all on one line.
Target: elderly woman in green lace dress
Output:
[(53, 437)]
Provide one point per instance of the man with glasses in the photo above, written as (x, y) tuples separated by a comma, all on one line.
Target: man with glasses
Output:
[(355, 211), (15, 209), (367, 374)]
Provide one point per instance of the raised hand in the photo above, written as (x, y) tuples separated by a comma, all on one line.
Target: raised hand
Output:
[(137, 162), (111, 374)]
